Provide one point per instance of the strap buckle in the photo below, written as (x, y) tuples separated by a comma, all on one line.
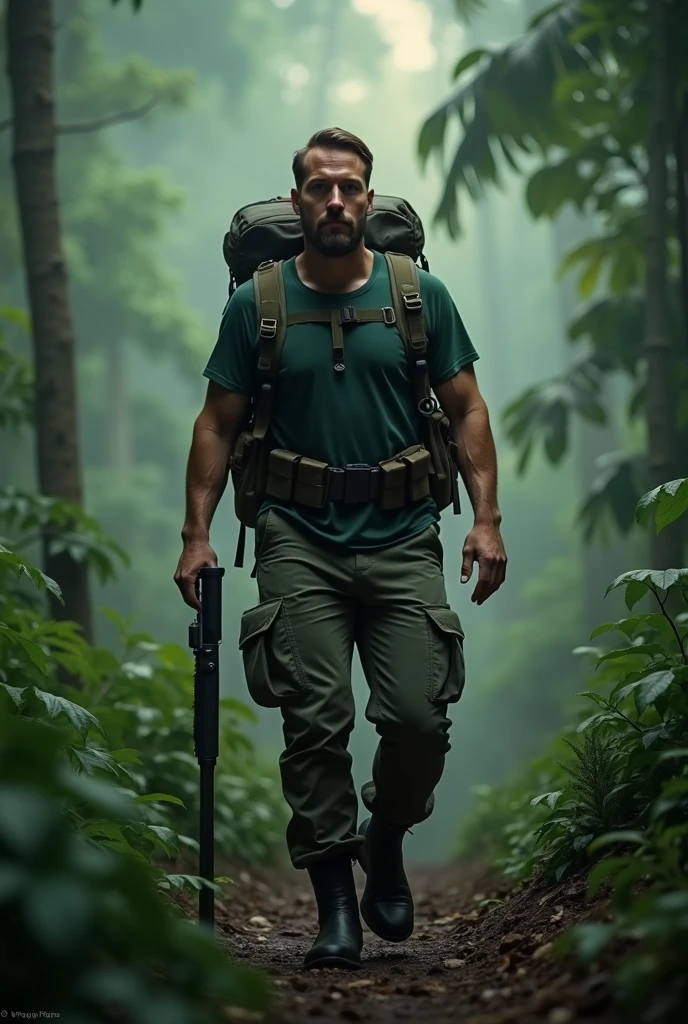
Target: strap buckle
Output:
[(347, 315), (357, 477), (413, 302), (389, 315), (268, 327)]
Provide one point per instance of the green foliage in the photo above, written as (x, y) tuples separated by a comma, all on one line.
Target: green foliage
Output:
[(562, 93), (84, 817), (140, 699), (668, 502), (86, 918), (620, 799)]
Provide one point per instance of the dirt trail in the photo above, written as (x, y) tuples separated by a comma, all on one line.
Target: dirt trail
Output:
[(476, 965)]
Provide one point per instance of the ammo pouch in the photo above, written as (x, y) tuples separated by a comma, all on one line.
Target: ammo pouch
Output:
[(393, 482), (248, 466)]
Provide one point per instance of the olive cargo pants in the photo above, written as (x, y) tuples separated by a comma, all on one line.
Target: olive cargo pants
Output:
[(297, 647)]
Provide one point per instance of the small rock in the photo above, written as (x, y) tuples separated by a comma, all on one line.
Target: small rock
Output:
[(261, 938), (245, 877), (299, 983), (487, 994), (334, 996), (260, 922), (543, 950), (510, 941), (560, 1015), (452, 963)]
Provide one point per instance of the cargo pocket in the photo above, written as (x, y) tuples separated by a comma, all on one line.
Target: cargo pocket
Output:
[(273, 669), (446, 666)]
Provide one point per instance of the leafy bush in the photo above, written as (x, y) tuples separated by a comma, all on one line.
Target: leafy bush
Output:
[(83, 905), (621, 797), (142, 700), (83, 930)]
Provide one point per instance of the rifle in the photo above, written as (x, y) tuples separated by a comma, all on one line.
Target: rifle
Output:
[(205, 637)]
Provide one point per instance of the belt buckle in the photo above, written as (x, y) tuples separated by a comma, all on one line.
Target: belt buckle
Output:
[(356, 483)]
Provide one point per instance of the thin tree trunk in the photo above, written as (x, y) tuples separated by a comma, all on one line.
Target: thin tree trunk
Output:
[(30, 43), (666, 546), (681, 154)]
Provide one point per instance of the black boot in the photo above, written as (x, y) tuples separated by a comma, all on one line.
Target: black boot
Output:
[(340, 937), (387, 904)]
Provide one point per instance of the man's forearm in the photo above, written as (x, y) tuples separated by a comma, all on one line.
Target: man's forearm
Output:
[(477, 460), (206, 478)]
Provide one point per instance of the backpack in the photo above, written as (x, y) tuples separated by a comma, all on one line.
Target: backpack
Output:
[(263, 235)]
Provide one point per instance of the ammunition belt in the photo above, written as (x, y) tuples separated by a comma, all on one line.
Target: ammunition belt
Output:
[(393, 483)]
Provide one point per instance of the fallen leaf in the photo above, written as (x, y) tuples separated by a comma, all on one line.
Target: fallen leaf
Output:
[(510, 941), (452, 963), (448, 918), (559, 913), (544, 950), (261, 938)]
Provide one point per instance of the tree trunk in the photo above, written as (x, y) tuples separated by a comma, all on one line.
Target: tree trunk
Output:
[(681, 154), (666, 546), (30, 43)]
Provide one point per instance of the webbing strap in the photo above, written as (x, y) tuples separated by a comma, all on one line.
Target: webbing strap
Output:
[(408, 305), (271, 311), (345, 316)]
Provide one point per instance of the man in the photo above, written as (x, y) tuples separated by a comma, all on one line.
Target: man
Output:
[(349, 574)]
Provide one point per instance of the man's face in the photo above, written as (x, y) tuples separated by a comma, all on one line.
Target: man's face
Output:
[(334, 202)]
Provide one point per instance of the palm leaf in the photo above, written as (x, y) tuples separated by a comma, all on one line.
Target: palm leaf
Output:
[(506, 108)]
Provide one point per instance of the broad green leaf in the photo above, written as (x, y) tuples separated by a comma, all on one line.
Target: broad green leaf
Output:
[(652, 687), (663, 579), (551, 798), (149, 798), (92, 759), (166, 835), (15, 693), (678, 752), (33, 650), (635, 591), (126, 756), (81, 718), (468, 60), (642, 650), (632, 837), (669, 501)]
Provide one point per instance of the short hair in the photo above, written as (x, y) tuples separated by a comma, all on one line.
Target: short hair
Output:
[(332, 138)]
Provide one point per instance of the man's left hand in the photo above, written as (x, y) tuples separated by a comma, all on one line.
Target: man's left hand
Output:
[(485, 546)]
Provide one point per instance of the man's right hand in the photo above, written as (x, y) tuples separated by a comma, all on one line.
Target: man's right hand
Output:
[(196, 555)]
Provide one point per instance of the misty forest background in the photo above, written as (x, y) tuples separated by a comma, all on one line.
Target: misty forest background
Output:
[(213, 108)]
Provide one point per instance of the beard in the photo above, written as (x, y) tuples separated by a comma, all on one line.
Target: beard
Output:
[(335, 242)]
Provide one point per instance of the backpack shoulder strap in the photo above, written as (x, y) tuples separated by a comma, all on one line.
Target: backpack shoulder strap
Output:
[(271, 311), (408, 307)]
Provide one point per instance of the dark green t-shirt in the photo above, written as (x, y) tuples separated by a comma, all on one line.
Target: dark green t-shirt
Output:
[(366, 414)]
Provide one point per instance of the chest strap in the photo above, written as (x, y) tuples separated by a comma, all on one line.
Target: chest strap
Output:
[(338, 319)]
